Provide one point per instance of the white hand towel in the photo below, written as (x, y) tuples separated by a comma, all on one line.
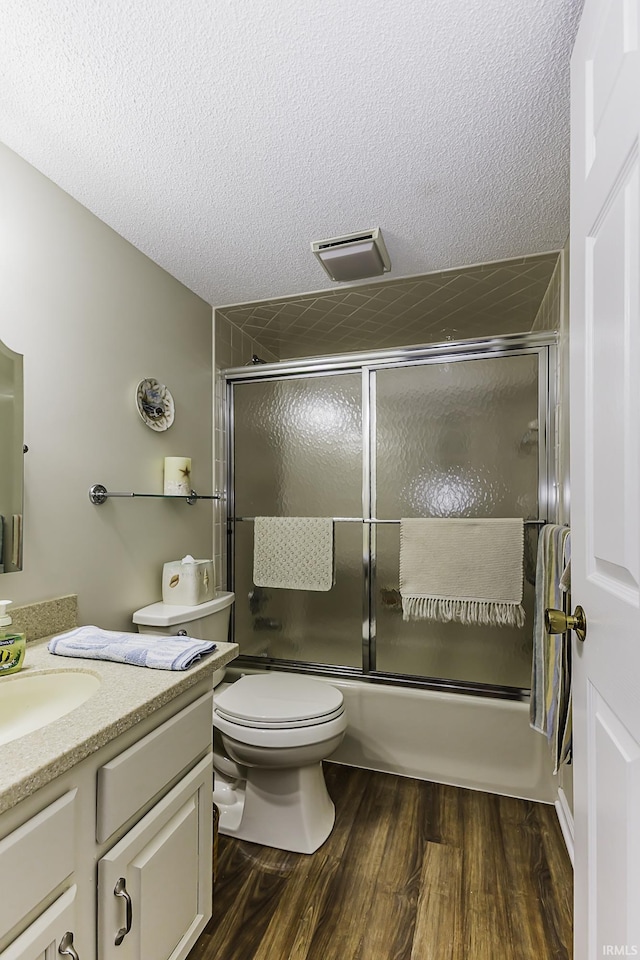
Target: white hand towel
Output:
[(293, 553), (161, 653), (464, 570)]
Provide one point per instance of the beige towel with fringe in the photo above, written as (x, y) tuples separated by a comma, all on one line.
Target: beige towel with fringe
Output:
[(293, 553), (464, 570)]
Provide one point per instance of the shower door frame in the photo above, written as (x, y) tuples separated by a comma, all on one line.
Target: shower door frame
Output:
[(543, 344)]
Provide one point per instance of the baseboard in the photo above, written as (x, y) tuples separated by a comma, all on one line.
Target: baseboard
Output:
[(565, 818)]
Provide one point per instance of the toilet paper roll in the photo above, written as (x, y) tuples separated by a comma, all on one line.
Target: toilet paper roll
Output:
[(177, 476)]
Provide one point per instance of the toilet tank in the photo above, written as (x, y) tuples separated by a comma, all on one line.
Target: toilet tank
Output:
[(205, 621)]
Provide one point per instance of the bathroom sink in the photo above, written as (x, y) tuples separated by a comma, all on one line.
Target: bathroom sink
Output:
[(29, 702)]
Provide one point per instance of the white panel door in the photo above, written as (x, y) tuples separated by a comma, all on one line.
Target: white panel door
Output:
[(605, 425)]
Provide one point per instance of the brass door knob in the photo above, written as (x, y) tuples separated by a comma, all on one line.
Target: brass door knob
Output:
[(556, 621)]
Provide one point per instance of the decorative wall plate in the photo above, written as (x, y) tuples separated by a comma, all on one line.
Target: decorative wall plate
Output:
[(155, 404)]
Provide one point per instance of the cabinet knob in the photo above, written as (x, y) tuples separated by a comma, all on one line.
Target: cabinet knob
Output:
[(120, 890), (66, 947)]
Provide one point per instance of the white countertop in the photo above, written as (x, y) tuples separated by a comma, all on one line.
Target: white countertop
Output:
[(126, 695)]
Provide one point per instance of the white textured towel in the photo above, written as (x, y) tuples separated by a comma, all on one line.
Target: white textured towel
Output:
[(293, 553), (464, 570)]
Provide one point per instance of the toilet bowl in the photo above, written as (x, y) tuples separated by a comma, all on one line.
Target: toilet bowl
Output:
[(271, 734), (277, 729)]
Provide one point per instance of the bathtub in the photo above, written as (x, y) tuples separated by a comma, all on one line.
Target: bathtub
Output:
[(467, 741)]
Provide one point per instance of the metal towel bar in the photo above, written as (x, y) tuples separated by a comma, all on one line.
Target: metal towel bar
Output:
[(539, 523)]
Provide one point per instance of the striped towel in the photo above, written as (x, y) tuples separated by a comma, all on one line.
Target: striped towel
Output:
[(464, 570), (550, 705), (160, 653)]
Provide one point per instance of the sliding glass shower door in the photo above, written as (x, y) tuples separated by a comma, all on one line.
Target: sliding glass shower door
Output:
[(297, 453), (461, 435), (456, 439)]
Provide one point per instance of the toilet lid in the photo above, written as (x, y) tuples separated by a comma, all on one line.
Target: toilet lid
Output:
[(278, 699)]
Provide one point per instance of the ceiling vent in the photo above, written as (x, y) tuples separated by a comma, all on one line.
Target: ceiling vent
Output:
[(354, 257)]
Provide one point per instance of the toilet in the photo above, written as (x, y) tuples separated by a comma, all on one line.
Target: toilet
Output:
[(271, 733), (277, 728)]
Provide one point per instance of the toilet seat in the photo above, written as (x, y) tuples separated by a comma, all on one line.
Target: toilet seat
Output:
[(278, 702), (278, 725), (280, 738)]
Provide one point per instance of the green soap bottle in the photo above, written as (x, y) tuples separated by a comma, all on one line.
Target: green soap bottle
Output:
[(12, 644)]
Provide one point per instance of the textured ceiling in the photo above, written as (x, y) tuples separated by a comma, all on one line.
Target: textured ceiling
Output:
[(493, 299), (222, 138)]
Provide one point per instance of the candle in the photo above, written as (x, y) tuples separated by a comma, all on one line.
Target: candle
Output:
[(177, 476)]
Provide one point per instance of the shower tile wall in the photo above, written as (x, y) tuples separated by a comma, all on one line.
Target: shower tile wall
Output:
[(554, 315), (485, 300), (562, 432), (547, 317), (232, 348)]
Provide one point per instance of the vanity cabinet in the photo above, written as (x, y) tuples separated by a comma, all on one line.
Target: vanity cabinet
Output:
[(50, 936), (116, 849), (154, 886), (37, 859)]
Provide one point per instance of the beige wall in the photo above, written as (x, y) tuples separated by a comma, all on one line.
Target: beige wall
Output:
[(93, 316)]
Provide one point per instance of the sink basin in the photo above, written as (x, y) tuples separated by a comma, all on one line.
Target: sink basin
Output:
[(30, 701)]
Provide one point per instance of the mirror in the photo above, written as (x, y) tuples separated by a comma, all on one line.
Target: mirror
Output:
[(11, 459)]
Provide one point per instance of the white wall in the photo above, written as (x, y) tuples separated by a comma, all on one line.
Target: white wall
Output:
[(93, 316)]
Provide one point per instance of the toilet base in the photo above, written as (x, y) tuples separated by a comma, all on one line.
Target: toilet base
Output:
[(289, 809)]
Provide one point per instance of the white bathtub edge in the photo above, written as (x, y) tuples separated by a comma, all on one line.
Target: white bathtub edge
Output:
[(471, 742)]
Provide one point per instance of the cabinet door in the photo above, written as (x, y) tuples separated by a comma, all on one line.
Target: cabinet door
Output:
[(36, 858), (43, 938), (154, 886)]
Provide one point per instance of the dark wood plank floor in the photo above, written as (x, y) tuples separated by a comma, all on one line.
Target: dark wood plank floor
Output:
[(412, 871)]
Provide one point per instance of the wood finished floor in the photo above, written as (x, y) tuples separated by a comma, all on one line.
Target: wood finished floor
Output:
[(412, 871)]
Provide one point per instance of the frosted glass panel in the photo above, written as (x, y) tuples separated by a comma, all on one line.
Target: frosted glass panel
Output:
[(494, 655), (298, 447), (455, 439), (298, 452), (304, 625)]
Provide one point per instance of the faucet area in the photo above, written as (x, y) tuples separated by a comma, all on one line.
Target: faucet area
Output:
[(288, 665)]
